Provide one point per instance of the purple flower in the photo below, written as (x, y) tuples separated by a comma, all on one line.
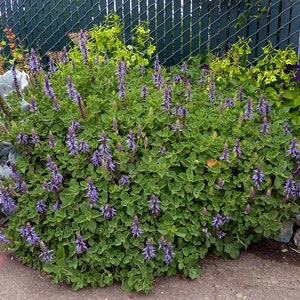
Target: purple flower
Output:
[(258, 176), (184, 69), (122, 91), (206, 232), (135, 229), (293, 149), (92, 193), (156, 65), (220, 183), (149, 250), (248, 113), (56, 177), (240, 96), (51, 140), (225, 155), (83, 146), (71, 89), (34, 137), (130, 143), (177, 78), (124, 181), (23, 139), (80, 244), (34, 62), (48, 87), (104, 149), (290, 188), (142, 70), (121, 70), (27, 232), (72, 142), (33, 105), (15, 80), (96, 158), (218, 221), (202, 77), (83, 47), (57, 205), (3, 238), (261, 107), (236, 149), (107, 211), (287, 129), (162, 243), (106, 59), (7, 202), (63, 58), (167, 102), (144, 92), (41, 207), (168, 252), (268, 194), (45, 254), (265, 127), (228, 102), (52, 68), (162, 150), (158, 79), (247, 209), (154, 205)]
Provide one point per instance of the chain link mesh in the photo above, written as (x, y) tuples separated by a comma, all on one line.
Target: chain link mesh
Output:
[(180, 28)]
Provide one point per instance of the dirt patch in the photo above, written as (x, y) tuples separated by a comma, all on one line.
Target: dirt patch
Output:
[(273, 250)]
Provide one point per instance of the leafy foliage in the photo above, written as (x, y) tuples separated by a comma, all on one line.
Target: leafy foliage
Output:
[(171, 171)]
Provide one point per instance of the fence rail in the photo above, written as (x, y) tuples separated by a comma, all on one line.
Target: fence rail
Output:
[(180, 28)]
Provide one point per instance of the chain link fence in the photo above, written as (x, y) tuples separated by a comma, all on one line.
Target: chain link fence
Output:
[(180, 28)]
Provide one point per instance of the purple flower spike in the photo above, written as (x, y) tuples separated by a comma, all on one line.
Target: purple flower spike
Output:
[(162, 243), (83, 146), (158, 79), (71, 89), (107, 211), (41, 207), (135, 229), (237, 149), (293, 149), (149, 250), (144, 92), (72, 142), (184, 69), (258, 177), (167, 102), (34, 137), (83, 47), (225, 155), (261, 107), (228, 102), (287, 129), (92, 193), (124, 181), (27, 232), (3, 238), (265, 126), (240, 96), (34, 62), (7, 202), (96, 158), (217, 221), (220, 183), (130, 143), (248, 113), (290, 188), (23, 139), (45, 254), (168, 252), (80, 244), (51, 140), (177, 78), (154, 205), (33, 105)]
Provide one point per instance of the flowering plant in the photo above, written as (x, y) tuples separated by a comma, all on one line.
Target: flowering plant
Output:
[(131, 172)]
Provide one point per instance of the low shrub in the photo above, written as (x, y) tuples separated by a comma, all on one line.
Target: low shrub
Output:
[(129, 173)]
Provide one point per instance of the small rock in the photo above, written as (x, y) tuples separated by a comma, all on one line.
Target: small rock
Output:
[(297, 238), (286, 232)]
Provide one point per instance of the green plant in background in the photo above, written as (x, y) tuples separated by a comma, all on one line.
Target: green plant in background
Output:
[(129, 172)]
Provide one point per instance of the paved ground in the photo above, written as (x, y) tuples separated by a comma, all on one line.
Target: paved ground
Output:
[(274, 276)]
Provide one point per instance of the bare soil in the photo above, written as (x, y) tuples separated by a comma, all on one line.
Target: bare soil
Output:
[(267, 270)]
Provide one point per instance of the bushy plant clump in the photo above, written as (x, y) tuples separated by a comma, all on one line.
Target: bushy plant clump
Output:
[(129, 172)]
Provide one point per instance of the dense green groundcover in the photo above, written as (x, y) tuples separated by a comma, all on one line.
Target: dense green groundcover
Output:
[(180, 161)]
